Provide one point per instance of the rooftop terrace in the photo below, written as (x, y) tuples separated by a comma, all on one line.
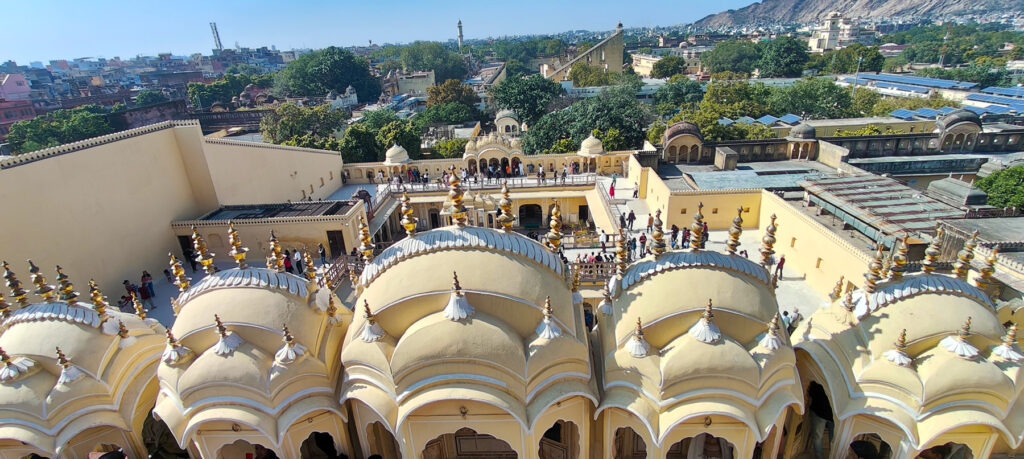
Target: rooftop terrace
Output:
[(292, 209)]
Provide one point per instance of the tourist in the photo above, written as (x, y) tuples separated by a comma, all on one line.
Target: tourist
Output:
[(794, 321), (168, 276), (686, 238), (297, 256), (564, 175), (631, 218), (604, 241), (287, 261), (778, 267), (323, 254), (611, 191), (643, 243), (636, 190), (147, 283), (131, 288), (650, 222), (145, 297), (786, 320), (632, 248)]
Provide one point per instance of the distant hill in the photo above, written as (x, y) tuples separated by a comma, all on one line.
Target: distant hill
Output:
[(783, 11)]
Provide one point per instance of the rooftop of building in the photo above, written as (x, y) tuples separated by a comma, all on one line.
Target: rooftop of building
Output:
[(1009, 229), (769, 175), (291, 209), (857, 121)]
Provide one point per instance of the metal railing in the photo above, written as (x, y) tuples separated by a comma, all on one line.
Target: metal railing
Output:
[(474, 183), (598, 271), (340, 267)]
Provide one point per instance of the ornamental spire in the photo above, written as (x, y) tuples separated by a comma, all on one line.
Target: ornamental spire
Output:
[(332, 311), (65, 287), (275, 261), (964, 257), (228, 342), (69, 373), (139, 310), (290, 351), (553, 240), (931, 254), (705, 329), (734, 233), (985, 280), (178, 272), (506, 219), (638, 346), (367, 244), (175, 352), (697, 230), (307, 260), (621, 254), (899, 261), (372, 331), (1008, 350), (958, 344), (898, 354), (457, 211), (605, 307), (658, 235), (99, 304), (548, 329), (237, 251), (203, 255), (122, 332), (768, 242), (408, 221), (771, 340), (5, 309), (19, 294), (44, 290), (577, 298), (16, 367), (458, 306), (837, 291), (873, 276)]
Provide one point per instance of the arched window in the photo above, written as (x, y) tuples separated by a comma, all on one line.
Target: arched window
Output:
[(466, 443), (629, 445), (560, 441), (703, 445), (947, 451), (869, 446)]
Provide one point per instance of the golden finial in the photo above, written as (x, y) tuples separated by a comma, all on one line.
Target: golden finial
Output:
[(237, 251), (455, 282), (62, 359), (5, 309), (899, 261), (984, 279), (964, 257), (886, 266), (773, 325), (901, 341), (171, 340), (122, 331), (44, 290), (367, 245), (547, 307), (657, 235), (352, 276), (19, 294), (931, 254), (621, 254), (965, 330), (639, 328), (178, 272), (848, 297), (307, 260), (575, 279), (366, 312), (697, 230), (203, 255), (221, 329), (139, 310), (1010, 338), (332, 310), (506, 219), (6, 359), (707, 314), (65, 287), (553, 240), (457, 211), (768, 242), (99, 304), (874, 269), (837, 291), (275, 261), (734, 233), (408, 221), (288, 338)]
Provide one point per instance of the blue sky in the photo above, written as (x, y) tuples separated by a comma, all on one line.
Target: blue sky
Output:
[(41, 30)]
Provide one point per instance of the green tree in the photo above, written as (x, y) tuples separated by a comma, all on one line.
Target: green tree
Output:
[(783, 57), (583, 75), (515, 68), (428, 55), (668, 66), (450, 113), (59, 127), (655, 131), (290, 121), (451, 91), (813, 98), (149, 98), (402, 133), (614, 108), (450, 148), (984, 75), (528, 97), (870, 129), (679, 92), (731, 55), (864, 102), (1005, 188), (845, 60), (359, 144), (611, 139), (376, 119), (230, 85), (329, 69), (243, 69)]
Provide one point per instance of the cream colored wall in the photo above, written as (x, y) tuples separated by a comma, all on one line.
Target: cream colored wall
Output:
[(830, 154), (719, 205), (86, 442), (247, 172), (811, 248), (439, 418), (607, 164)]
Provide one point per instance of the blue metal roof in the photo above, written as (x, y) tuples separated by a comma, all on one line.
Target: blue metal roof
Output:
[(745, 120), (789, 118), (902, 113), (993, 99), (998, 109), (854, 80), (947, 110), (978, 110), (919, 81), (1018, 107), (1012, 92), (725, 121), (927, 112), (902, 87), (767, 120)]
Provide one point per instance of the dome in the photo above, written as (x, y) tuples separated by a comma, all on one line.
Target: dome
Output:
[(266, 340), (70, 365), (802, 131), (506, 114), (956, 117), (396, 155), (591, 146), (681, 128)]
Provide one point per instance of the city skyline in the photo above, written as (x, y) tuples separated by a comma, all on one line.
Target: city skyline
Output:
[(126, 32)]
